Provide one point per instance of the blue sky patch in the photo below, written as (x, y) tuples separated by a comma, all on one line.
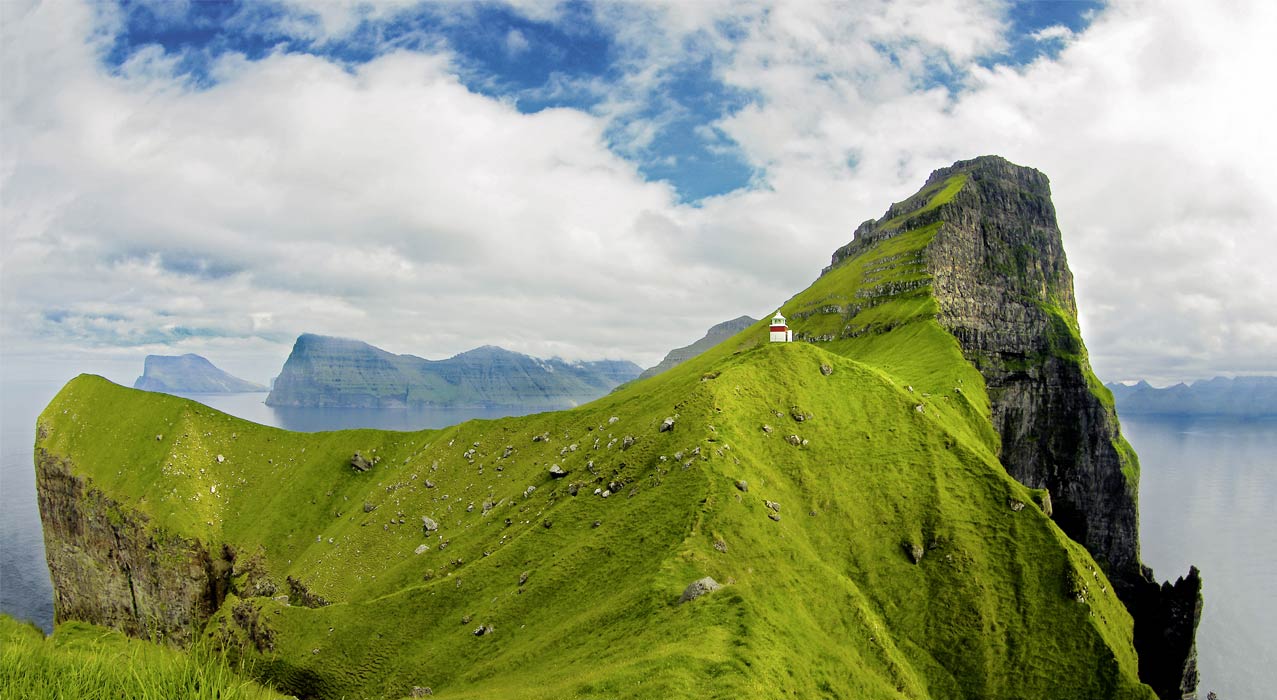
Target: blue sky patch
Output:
[(571, 62)]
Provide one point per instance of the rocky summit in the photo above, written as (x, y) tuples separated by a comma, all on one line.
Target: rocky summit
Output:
[(189, 374), (925, 495), (322, 371)]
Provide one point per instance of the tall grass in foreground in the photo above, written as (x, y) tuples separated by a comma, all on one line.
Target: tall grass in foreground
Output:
[(82, 662)]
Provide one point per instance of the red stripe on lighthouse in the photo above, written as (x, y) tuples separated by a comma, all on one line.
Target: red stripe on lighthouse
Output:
[(779, 329)]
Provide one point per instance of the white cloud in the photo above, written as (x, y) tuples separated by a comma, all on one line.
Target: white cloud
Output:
[(388, 202), (1057, 32)]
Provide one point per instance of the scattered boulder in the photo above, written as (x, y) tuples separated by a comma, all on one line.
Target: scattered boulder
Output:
[(720, 545), (358, 462), (221, 459), (420, 692), (421, 549), (612, 420), (774, 516), (794, 440), (743, 485), (773, 505), (574, 488), (919, 408), (914, 550), (523, 577), (698, 588), (430, 484), (798, 414), (543, 437), (667, 425), (528, 491), (369, 507), (826, 370), (1015, 505), (428, 524), (483, 629), (627, 442), (556, 472), (767, 428), (1043, 498), (509, 450)]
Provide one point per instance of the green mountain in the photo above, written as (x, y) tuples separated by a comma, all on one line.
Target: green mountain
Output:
[(337, 372), (1245, 397), (715, 335), (189, 374), (832, 518)]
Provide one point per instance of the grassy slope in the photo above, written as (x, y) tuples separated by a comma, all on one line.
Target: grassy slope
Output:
[(823, 603), (84, 661)]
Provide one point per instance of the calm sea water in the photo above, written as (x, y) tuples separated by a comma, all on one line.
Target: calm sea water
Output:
[(1207, 495), (1207, 492)]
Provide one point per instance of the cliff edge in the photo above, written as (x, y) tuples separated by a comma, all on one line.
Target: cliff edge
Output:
[(998, 273)]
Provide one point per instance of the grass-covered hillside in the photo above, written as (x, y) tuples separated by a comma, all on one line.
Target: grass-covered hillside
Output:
[(846, 494), (87, 662)]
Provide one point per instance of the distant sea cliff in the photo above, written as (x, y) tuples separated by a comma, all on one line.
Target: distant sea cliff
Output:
[(189, 374), (1221, 396), (323, 371)]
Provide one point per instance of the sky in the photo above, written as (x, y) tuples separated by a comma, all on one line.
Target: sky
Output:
[(590, 180)]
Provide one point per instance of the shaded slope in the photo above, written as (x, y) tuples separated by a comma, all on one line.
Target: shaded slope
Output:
[(715, 335), (338, 372), (189, 374)]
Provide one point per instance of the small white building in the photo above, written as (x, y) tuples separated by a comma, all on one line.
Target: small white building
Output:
[(781, 333)]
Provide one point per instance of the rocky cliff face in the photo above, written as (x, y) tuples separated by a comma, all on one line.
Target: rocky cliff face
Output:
[(191, 374), (109, 566), (999, 276), (715, 335), (338, 372)]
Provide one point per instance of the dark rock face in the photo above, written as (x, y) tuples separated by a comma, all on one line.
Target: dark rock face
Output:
[(109, 567), (1006, 294), (337, 372), (1004, 290), (190, 374)]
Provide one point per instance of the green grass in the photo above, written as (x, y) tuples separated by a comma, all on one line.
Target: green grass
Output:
[(824, 602), (83, 661)]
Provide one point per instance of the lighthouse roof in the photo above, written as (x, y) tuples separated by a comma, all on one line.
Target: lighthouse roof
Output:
[(778, 316)]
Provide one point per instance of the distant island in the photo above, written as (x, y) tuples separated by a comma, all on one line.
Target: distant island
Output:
[(713, 336), (190, 374), (1221, 396), (332, 372)]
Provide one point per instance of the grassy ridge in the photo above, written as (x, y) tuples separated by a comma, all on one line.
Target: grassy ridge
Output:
[(87, 662), (877, 549)]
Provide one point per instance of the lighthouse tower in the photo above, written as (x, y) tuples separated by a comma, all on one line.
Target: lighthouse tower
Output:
[(780, 332)]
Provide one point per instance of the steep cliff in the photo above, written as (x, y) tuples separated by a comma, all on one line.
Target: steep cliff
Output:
[(113, 568), (996, 268), (845, 495), (338, 372), (189, 374), (715, 335)]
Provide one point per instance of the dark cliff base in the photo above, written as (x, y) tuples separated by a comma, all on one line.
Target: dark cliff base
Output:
[(111, 568)]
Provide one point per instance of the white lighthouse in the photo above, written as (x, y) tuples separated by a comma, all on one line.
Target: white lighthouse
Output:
[(780, 332)]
